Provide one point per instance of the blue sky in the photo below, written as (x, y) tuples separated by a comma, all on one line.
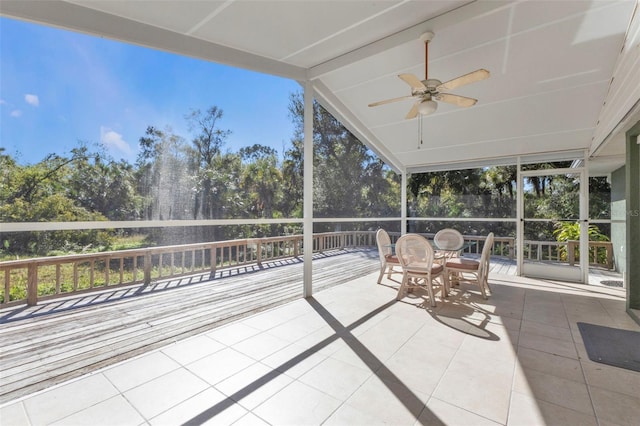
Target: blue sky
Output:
[(59, 87)]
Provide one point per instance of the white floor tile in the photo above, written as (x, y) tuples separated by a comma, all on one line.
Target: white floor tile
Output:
[(193, 349), (137, 371), (335, 378), (254, 385), (478, 384), (220, 365), (261, 345), (555, 390), (391, 402), (207, 407), (114, 411), (60, 402), (297, 404), (294, 360), (233, 333), (441, 412), (616, 408), (14, 414), (347, 415), (165, 392)]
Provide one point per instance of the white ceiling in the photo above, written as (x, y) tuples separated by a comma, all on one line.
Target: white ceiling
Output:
[(551, 63)]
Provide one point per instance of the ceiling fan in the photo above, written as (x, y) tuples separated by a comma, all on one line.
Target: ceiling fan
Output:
[(426, 92)]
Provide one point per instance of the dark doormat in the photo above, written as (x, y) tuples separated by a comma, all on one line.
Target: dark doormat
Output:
[(612, 283), (612, 346)]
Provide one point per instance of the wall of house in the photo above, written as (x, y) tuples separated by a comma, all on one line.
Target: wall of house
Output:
[(618, 213), (624, 91)]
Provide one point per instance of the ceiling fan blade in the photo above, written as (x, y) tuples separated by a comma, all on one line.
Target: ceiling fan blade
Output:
[(388, 101), (413, 112), (472, 77), (461, 101), (413, 81)]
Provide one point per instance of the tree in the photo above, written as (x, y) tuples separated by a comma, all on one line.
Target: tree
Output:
[(206, 154), (348, 179), (100, 184), (165, 183), (261, 180), (38, 193)]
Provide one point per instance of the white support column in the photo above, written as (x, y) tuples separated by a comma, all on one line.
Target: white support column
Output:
[(403, 202), (307, 223), (584, 219), (520, 224)]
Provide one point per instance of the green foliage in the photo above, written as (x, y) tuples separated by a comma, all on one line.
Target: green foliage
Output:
[(570, 231), (488, 192), (349, 181), (491, 192), (39, 193)]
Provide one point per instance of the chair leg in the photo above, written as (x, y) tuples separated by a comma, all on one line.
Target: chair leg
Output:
[(445, 282), (402, 287), (381, 273), (430, 290), (482, 290), (482, 283), (486, 283), (390, 270)]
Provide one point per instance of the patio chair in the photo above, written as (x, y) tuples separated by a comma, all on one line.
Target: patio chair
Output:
[(419, 269), (449, 241), (387, 259), (461, 269)]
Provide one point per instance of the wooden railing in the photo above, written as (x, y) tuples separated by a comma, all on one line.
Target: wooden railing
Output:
[(30, 280), (600, 252)]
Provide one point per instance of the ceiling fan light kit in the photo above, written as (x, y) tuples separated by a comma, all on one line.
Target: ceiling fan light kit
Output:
[(427, 107), (426, 92)]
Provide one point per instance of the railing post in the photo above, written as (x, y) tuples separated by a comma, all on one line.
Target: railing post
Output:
[(571, 252), (609, 249), (512, 248), (32, 285), (213, 256), (259, 251), (147, 268)]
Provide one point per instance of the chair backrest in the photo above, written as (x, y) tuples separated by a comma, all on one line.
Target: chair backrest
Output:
[(384, 244), (414, 248), (448, 239), (486, 253)]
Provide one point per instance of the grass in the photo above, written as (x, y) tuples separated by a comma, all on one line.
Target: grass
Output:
[(47, 274)]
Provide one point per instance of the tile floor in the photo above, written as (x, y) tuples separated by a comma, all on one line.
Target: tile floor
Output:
[(353, 355)]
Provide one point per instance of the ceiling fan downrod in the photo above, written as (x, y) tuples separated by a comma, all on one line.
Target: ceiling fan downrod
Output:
[(426, 38)]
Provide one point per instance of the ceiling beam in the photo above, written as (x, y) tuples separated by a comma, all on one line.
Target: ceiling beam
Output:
[(463, 13), (83, 19)]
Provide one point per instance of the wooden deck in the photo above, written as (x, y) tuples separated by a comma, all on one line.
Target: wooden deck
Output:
[(65, 338)]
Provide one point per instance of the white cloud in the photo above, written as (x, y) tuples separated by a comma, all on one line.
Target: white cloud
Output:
[(16, 113), (32, 99), (113, 140), (3, 102)]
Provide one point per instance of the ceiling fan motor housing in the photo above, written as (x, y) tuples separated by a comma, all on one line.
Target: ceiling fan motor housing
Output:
[(431, 84)]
